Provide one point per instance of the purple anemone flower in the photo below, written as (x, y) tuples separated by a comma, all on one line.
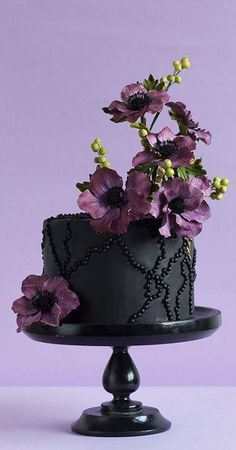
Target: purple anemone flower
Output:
[(181, 208), (111, 206), (166, 145), (184, 118), (46, 300), (203, 183), (136, 101)]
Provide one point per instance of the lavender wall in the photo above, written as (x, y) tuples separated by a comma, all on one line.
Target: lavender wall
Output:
[(60, 61)]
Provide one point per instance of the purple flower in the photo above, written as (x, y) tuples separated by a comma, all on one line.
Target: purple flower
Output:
[(186, 122), (203, 183), (136, 101), (181, 208), (111, 206), (166, 145), (46, 300)]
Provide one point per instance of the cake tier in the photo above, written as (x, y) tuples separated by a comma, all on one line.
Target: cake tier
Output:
[(136, 277)]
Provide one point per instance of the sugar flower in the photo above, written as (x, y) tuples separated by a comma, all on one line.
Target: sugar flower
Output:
[(185, 121), (167, 145), (46, 300), (110, 205), (136, 101), (181, 208)]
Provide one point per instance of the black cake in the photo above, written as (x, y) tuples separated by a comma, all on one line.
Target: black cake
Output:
[(136, 277)]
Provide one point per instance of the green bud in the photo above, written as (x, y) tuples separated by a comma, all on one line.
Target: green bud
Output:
[(167, 163), (217, 184), (170, 172), (95, 147), (102, 159), (161, 171), (225, 181), (171, 78), (217, 179), (177, 65), (98, 141), (219, 196), (97, 159), (159, 179), (223, 189), (185, 62), (143, 133), (178, 79), (106, 164), (163, 80), (213, 195), (102, 150)]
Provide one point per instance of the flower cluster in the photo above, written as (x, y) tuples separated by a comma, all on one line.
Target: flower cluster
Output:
[(167, 180)]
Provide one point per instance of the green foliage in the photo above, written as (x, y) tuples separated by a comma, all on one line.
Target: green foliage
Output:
[(195, 170), (83, 186), (150, 83)]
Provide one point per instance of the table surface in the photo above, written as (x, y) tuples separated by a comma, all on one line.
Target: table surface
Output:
[(39, 418)]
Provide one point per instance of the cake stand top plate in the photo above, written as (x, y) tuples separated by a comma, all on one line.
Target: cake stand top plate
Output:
[(204, 323)]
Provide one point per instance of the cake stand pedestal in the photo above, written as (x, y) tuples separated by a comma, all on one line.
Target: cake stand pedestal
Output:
[(122, 416)]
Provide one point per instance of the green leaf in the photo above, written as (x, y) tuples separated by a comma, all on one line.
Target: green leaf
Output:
[(83, 186), (182, 173)]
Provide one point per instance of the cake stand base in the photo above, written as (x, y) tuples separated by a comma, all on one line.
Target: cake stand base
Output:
[(94, 422), (122, 416)]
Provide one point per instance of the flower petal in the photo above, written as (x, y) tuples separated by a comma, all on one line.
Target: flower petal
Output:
[(158, 202), (152, 138), (120, 224), (139, 182), (166, 135), (24, 321), (185, 142), (165, 229), (102, 224), (187, 229), (67, 300), (131, 89), (143, 158), (55, 285), (157, 99), (199, 214), (182, 157), (23, 306), (202, 135), (53, 317), (33, 284), (104, 179), (138, 205), (91, 204)]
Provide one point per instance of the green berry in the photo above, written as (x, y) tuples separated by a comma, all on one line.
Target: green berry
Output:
[(223, 189), (161, 171), (143, 133), (170, 172), (102, 159), (159, 179), (95, 147), (171, 78), (213, 195), (219, 196), (178, 79), (225, 181), (177, 65), (106, 164), (217, 183), (97, 160), (102, 150), (185, 62), (163, 80), (98, 141), (144, 142), (167, 163)]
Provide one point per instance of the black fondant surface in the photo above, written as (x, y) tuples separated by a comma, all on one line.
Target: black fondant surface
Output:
[(138, 277)]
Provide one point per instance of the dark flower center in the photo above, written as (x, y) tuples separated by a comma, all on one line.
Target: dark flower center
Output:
[(114, 197), (177, 205), (137, 101), (166, 149), (44, 302)]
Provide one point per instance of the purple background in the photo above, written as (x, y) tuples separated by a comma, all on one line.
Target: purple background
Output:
[(60, 62)]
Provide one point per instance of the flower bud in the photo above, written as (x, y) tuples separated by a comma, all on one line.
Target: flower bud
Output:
[(143, 133), (170, 172), (178, 79), (177, 65), (167, 163), (102, 150), (95, 147), (170, 77), (185, 62)]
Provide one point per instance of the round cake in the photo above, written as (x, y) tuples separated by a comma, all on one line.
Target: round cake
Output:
[(135, 277)]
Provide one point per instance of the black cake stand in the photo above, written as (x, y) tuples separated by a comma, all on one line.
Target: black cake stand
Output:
[(122, 416)]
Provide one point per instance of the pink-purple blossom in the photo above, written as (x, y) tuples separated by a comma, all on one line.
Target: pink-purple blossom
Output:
[(181, 208), (183, 116), (167, 145), (45, 299), (135, 102), (112, 206)]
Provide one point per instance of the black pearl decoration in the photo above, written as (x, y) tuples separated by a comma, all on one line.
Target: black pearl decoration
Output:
[(155, 284)]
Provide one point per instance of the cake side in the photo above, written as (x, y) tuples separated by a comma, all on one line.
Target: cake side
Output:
[(135, 277)]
